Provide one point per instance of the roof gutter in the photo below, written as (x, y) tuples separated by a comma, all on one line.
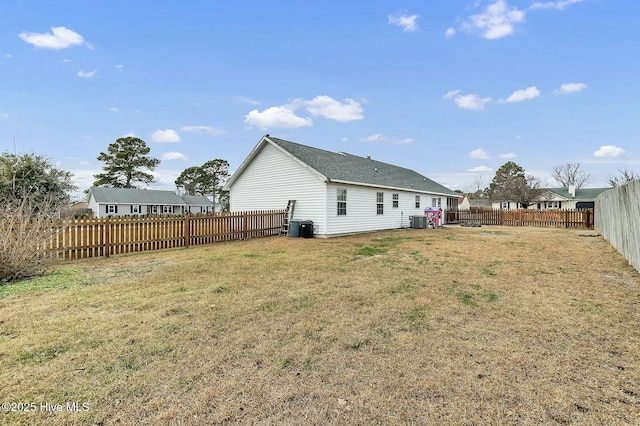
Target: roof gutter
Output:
[(346, 182)]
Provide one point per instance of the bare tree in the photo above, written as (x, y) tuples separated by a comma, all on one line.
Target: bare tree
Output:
[(626, 176), (570, 174)]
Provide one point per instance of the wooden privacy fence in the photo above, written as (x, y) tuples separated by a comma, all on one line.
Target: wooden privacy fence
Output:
[(580, 218), (76, 239)]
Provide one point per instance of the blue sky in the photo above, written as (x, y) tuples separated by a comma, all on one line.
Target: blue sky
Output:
[(452, 89)]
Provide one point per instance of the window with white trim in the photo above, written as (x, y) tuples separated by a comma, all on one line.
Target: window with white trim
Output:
[(379, 202), (341, 199), (396, 198), (135, 209), (436, 202), (417, 201), (167, 209), (112, 209), (551, 204)]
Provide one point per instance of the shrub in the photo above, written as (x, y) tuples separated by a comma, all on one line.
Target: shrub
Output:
[(25, 226)]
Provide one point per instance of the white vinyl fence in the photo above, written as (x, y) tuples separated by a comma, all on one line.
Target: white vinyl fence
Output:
[(617, 219)]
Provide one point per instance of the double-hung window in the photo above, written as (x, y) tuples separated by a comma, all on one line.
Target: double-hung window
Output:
[(379, 202), (112, 209), (417, 201), (342, 202), (395, 200)]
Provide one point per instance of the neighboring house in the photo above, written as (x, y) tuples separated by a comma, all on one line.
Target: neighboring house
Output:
[(468, 203), (127, 202), (341, 193), (559, 198)]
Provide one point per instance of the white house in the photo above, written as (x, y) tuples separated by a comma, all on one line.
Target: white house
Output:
[(127, 201), (559, 198), (341, 193)]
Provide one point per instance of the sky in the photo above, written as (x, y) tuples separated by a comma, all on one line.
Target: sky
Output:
[(452, 89)]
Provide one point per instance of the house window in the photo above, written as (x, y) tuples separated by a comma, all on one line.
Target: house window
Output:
[(342, 202), (379, 202), (154, 209), (135, 209), (395, 201), (436, 202), (417, 201), (112, 209), (551, 204), (167, 210), (504, 205)]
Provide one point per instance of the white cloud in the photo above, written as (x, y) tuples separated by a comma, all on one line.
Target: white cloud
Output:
[(508, 155), (208, 130), (524, 94), (164, 136), (119, 67), (571, 88), (114, 109), (608, 151), (279, 116), (4, 115), (332, 109), (406, 22), (450, 32), (172, 155), (480, 169), (373, 138), (87, 74), (451, 94), (471, 101), (58, 38), (559, 5), (406, 140), (245, 100), (498, 20), (8, 56), (479, 154), (66, 61)]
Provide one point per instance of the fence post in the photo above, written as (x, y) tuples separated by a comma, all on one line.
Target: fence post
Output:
[(107, 237), (186, 230), (244, 225)]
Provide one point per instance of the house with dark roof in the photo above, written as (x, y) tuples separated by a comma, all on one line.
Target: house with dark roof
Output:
[(341, 193), (105, 202), (559, 198)]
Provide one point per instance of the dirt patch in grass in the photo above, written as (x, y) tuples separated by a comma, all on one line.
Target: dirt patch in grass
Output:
[(489, 325)]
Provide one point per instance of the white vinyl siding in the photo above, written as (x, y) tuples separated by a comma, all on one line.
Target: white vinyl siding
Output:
[(362, 212), (273, 178)]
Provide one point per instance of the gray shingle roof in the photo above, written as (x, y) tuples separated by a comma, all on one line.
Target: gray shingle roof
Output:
[(196, 200), (588, 194), (352, 168), (145, 197)]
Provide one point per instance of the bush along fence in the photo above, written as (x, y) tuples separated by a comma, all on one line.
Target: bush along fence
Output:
[(580, 218), (76, 239)]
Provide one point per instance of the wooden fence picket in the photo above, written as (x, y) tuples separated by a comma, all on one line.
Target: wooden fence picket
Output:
[(579, 218), (97, 237)]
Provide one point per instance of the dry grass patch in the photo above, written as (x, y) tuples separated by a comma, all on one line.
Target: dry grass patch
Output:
[(484, 325)]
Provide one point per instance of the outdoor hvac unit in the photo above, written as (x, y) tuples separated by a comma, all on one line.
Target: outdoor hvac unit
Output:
[(417, 222)]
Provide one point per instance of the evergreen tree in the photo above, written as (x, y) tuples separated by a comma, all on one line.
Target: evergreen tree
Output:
[(124, 161)]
